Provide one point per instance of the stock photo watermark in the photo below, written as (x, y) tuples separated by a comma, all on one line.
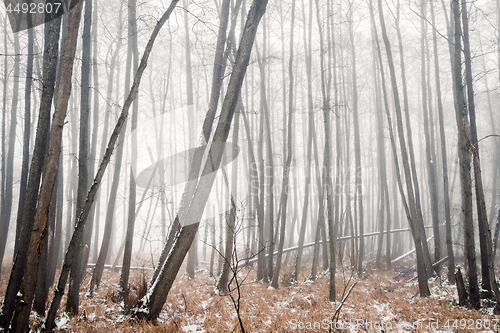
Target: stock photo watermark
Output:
[(427, 324), (26, 14)]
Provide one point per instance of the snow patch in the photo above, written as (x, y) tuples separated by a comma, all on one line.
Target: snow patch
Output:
[(62, 321), (192, 329)]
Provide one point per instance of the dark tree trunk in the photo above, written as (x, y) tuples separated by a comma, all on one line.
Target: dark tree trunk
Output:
[(83, 161), (49, 321), (37, 164), (129, 236), (412, 209), (152, 303), (464, 160), (7, 195), (20, 320), (26, 138), (446, 191), (288, 162)]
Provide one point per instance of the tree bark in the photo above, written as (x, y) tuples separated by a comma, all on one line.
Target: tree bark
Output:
[(412, 210), (464, 159), (129, 236), (20, 320), (446, 191), (6, 202), (37, 164), (83, 160), (152, 303), (288, 162), (48, 324), (26, 137)]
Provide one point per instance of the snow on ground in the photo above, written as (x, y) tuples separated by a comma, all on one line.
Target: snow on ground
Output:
[(381, 301)]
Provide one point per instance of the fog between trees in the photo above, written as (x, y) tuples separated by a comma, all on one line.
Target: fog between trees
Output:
[(283, 138)]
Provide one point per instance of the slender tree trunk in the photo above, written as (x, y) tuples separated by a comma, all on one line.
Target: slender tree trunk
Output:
[(83, 160), (113, 66), (37, 164), (20, 320), (26, 137), (464, 160), (222, 285), (93, 217), (152, 303), (129, 236), (310, 112), (6, 203), (288, 162), (190, 266), (48, 324), (429, 145), (416, 186), (446, 191), (412, 213), (357, 149)]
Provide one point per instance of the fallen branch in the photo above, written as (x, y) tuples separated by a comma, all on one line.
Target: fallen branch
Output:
[(337, 310)]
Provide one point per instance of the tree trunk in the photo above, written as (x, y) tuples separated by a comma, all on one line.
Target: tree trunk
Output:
[(310, 112), (49, 322), (151, 304), (129, 236), (416, 186), (20, 320), (83, 160), (288, 162), (412, 210), (447, 209), (37, 164), (429, 145), (26, 138), (464, 160), (6, 202), (487, 282)]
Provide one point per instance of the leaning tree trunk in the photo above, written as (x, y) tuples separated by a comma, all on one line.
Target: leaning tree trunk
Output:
[(446, 191), (129, 235), (6, 202), (152, 303), (487, 283), (412, 216), (20, 320), (26, 138), (48, 324), (464, 160), (416, 186), (36, 168), (288, 162)]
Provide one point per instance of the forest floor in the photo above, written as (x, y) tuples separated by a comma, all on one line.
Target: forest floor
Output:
[(381, 301)]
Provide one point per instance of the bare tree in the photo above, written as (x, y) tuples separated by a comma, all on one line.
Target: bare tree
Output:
[(7, 195), (129, 236), (152, 303), (20, 320), (83, 160), (446, 191), (286, 166), (464, 159), (411, 210), (36, 168), (49, 321)]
